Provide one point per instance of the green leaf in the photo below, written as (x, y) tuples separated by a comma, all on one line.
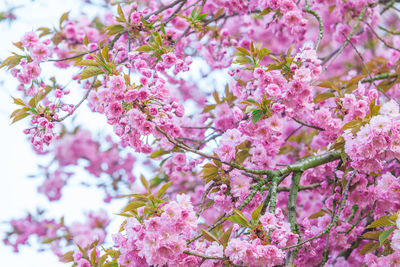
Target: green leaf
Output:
[(372, 235), (144, 48), (134, 205), (68, 257), (209, 236), (105, 53), (250, 102), (256, 115), (243, 50), (113, 29), (369, 247), (263, 52), (219, 12), (163, 189), (121, 13), (351, 124), (381, 222), (64, 17), (110, 264), (240, 59), (323, 96), (162, 28), (145, 183), (20, 116), (385, 234), (201, 16), (255, 215), (93, 257), (265, 12), (242, 155), (354, 81), (317, 214), (102, 260), (18, 101), (242, 218), (87, 62), (329, 85), (193, 13), (226, 235), (45, 31), (11, 62), (209, 171), (90, 71), (208, 108), (159, 153)]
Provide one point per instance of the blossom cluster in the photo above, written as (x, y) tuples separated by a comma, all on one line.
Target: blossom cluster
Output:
[(290, 164)]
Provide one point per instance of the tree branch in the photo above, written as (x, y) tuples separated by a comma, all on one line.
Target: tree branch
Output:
[(321, 25), (327, 229)]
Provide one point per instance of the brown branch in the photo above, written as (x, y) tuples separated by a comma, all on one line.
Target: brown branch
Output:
[(308, 125), (205, 256), (79, 103), (341, 48), (110, 45), (367, 70), (380, 38), (163, 9)]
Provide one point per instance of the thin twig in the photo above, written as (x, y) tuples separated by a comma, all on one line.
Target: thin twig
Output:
[(79, 103), (341, 48), (367, 70), (110, 45), (293, 132), (163, 9), (391, 32), (380, 38), (308, 125)]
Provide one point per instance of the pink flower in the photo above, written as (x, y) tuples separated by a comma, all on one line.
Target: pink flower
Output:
[(135, 17), (143, 95), (58, 93), (396, 241), (273, 90), (131, 96), (117, 83), (32, 70), (179, 158), (153, 111), (115, 109), (226, 152), (169, 60), (40, 52), (83, 263), (240, 184), (52, 187), (29, 39), (70, 31), (179, 111), (147, 128)]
